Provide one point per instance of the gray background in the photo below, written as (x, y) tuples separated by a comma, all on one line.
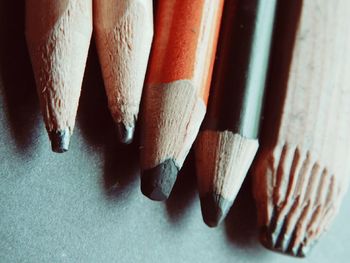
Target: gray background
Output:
[(86, 206)]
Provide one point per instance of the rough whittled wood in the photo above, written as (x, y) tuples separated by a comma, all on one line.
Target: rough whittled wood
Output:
[(303, 169), (222, 161), (123, 31), (58, 35), (177, 86)]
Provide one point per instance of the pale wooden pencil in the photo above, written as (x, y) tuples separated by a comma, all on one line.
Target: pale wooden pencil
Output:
[(123, 31), (58, 36), (228, 139), (176, 88), (302, 170)]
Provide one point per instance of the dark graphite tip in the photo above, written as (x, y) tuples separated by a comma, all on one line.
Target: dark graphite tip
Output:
[(157, 182), (214, 208), (60, 140), (125, 133)]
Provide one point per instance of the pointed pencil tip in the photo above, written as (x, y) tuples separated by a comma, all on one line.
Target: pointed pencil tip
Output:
[(157, 182), (214, 208), (125, 132), (60, 140)]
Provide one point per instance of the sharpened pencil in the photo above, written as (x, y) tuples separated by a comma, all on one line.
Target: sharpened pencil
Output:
[(228, 140), (177, 88), (124, 32), (58, 36)]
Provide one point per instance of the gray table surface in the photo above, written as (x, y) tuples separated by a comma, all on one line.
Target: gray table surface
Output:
[(86, 206)]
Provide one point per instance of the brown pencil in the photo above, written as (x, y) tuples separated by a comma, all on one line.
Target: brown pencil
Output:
[(123, 31), (58, 36), (177, 88), (302, 170)]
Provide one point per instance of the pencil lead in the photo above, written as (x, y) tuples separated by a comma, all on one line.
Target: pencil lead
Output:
[(157, 182), (60, 140), (125, 133), (214, 208)]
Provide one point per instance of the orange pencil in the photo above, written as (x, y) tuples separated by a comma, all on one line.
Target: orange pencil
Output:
[(177, 88)]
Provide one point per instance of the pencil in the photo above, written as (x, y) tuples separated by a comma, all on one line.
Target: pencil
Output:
[(123, 31), (302, 169), (58, 36), (228, 140), (177, 88)]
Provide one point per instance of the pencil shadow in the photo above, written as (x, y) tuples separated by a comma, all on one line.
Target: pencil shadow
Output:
[(98, 130), (184, 192), (20, 99), (240, 223)]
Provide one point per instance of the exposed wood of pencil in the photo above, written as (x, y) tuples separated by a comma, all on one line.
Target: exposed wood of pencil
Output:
[(227, 142), (123, 31), (58, 36), (222, 161), (303, 168), (176, 89)]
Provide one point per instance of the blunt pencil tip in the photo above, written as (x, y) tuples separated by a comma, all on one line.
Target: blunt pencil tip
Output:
[(157, 182), (60, 140), (125, 133), (214, 208)]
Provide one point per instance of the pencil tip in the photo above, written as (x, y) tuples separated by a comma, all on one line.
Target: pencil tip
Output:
[(125, 133), (60, 140), (214, 208), (157, 182)]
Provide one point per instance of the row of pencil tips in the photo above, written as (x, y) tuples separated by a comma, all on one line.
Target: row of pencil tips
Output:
[(210, 64)]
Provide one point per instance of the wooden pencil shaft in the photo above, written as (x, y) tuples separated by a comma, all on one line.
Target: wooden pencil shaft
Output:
[(123, 33), (177, 88), (242, 59), (178, 78), (58, 37)]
